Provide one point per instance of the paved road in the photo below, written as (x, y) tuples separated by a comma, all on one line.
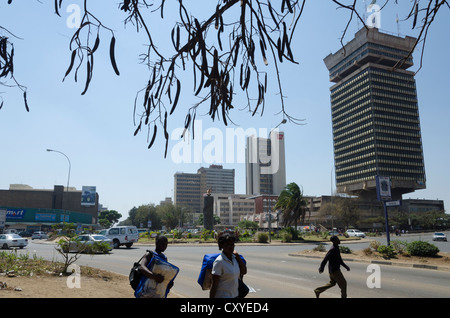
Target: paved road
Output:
[(272, 273)]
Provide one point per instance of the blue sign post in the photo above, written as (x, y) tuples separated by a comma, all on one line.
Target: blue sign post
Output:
[(384, 194)]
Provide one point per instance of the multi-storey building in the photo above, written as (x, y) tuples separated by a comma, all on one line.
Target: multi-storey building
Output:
[(189, 188), (29, 209), (375, 116), (187, 191), (232, 208), (265, 164), (217, 179)]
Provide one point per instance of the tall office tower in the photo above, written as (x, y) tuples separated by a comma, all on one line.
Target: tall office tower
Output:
[(189, 188), (265, 164), (216, 178), (187, 191), (375, 116)]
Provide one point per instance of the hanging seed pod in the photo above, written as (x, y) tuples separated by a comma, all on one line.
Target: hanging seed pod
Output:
[(72, 60), (177, 95), (112, 55), (155, 128)]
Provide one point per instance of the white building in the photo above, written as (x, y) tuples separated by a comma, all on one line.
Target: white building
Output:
[(231, 208), (265, 164)]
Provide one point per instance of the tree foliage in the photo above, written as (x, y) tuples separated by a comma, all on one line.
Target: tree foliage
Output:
[(343, 210), (226, 53), (292, 204)]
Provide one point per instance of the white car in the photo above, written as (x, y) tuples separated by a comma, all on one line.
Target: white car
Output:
[(122, 235), (355, 232), (439, 236), (82, 242), (39, 235), (12, 240)]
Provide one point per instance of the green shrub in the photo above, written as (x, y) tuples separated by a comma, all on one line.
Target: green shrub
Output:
[(262, 237), (386, 251), (319, 248), (399, 246), (422, 248), (292, 231), (286, 237), (345, 250), (375, 245)]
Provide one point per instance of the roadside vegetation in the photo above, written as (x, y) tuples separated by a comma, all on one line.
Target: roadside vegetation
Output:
[(402, 248)]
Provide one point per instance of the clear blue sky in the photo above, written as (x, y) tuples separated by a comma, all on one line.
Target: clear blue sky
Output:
[(96, 130)]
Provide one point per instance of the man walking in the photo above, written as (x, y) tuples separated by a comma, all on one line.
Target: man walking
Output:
[(334, 260)]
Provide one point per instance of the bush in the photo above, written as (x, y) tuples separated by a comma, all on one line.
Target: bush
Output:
[(262, 237), (292, 231), (422, 248), (286, 237), (319, 248), (375, 245), (386, 251), (345, 249), (367, 251), (399, 246)]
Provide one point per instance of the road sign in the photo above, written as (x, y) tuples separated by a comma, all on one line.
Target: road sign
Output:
[(393, 203)]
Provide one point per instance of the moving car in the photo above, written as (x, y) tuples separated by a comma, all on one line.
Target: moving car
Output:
[(12, 240), (355, 232), (39, 235), (439, 236), (122, 235), (85, 243)]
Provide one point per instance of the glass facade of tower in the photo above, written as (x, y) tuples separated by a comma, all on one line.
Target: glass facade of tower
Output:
[(375, 117)]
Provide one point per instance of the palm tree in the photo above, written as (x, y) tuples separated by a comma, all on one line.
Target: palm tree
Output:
[(292, 204)]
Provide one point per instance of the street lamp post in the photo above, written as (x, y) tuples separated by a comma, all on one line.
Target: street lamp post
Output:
[(68, 177)]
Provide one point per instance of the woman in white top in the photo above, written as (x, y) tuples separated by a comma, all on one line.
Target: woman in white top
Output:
[(227, 269)]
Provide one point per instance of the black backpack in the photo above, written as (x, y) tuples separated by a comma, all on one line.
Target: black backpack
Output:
[(135, 273)]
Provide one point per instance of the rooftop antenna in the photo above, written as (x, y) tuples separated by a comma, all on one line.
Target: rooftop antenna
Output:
[(365, 10), (398, 25)]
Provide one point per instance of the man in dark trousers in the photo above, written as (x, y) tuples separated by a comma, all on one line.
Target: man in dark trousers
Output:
[(334, 260)]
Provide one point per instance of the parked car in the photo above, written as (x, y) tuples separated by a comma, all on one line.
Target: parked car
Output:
[(122, 235), (439, 236), (82, 243), (12, 240), (355, 232), (39, 235), (25, 234)]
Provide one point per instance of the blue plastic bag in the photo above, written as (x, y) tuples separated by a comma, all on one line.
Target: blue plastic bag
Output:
[(205, 277), (205, 271), (148, 288)]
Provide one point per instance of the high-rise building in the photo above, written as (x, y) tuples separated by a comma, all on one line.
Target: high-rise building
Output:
[(189, 188), (375, 116), (216, 178), (265, 164), (187, 191)]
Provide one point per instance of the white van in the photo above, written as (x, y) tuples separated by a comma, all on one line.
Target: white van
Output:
[(122, 235)]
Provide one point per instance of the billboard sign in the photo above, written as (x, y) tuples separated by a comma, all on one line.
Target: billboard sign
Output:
[(16, 214), (88, 195), (383, 188), (2, 219)]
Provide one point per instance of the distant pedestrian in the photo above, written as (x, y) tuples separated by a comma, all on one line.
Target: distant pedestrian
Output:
[(334, 260)]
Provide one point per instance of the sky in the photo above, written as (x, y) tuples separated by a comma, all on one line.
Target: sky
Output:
[(95, 130)]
